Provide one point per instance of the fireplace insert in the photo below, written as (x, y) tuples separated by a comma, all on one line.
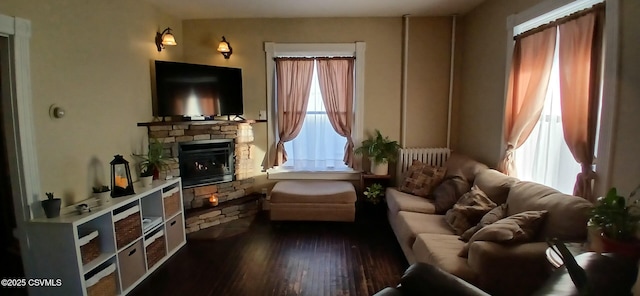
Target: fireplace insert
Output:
[(206, 162)]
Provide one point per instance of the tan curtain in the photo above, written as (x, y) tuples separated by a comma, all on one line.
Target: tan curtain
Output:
[(579, 51), (336, 85), (528, 82), (292, 97)]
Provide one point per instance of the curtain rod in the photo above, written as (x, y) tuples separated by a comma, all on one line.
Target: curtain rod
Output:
[(560, 21), (315, 58)]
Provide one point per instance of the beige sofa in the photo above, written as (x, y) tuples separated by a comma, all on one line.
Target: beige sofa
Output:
[(496, 268)]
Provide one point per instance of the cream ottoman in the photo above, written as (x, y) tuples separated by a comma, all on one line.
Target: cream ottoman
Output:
[(303, 200)]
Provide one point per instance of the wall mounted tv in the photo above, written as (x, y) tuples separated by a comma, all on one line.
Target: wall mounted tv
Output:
[(196, 91)]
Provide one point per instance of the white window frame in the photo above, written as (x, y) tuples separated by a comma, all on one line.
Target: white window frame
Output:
[(274, 50), (551, 9)]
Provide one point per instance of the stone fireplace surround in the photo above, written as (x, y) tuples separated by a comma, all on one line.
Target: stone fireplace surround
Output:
[(196, 198)]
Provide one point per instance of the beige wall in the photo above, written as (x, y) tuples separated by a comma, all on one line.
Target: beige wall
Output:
[(482, 87), (428, 81), (482, 82), (626, 154), (430, 39), (91, 58)]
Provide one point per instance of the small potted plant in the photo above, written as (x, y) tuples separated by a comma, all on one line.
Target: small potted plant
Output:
[(51, 206), (154, 161), (380, 151), (616, 218), (102, 193), (146, 177), (373, 193)]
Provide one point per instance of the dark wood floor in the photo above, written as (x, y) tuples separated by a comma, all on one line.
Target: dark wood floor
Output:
[(283, 258)]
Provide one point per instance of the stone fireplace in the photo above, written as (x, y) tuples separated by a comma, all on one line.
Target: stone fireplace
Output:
[(186, 142), (206, 162)]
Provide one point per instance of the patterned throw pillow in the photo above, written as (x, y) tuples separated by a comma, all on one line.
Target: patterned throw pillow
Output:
[(518, 228), (448, 193), (421, 178), (489, 218), (469, 209)]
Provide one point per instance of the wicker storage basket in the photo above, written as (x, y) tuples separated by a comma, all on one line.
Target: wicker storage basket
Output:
[(128, 226), (155, 248), (89, 247), (103, 283), (171, 202)]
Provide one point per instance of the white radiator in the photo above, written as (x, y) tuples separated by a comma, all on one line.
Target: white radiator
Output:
[(431, 156)]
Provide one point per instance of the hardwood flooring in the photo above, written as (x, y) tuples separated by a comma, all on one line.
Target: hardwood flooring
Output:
[(261, 257)]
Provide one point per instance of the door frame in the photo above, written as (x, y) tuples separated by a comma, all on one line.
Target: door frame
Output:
[(19, 127)]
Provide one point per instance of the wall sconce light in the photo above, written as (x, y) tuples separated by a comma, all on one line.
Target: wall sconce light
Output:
[(165, 38), (225, 48)]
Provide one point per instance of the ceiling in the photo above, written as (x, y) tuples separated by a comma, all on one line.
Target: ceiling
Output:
[(200, 9)]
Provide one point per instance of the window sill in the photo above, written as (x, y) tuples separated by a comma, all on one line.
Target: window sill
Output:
[(284, 174)]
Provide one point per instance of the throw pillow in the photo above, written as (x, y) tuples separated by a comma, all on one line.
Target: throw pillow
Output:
[(518, 228), (421, 179), (468, 210), (448, 192), (489, 218)]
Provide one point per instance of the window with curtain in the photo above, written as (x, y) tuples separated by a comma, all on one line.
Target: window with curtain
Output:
[(318, 147), (554, 101), (545, 157)]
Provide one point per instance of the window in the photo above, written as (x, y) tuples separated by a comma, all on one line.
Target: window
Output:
[(317, 147), (327, 163), (561, 47), (545, 157)]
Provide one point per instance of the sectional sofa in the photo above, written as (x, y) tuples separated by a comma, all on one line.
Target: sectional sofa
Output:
[(496, 267)]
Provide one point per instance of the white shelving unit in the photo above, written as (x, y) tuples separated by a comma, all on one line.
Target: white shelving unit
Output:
[(55, 242)]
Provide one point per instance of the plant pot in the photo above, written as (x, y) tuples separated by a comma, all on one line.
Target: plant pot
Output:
[(146, 181), (379, 169), (51, 207), (103, 197), (629, 249)]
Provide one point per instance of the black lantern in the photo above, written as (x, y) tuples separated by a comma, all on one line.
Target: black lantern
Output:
[(121, 182)]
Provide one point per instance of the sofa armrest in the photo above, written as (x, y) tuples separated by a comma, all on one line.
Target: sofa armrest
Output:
[(388, 291), (509, 269), (426, 279)]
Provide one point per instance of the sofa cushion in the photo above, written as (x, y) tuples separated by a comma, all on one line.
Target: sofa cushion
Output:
[(567, 214), (495, 184), (409, 225), (463, 166), (469, 209), (491, 217), (448, 192), (399, 201), (442, 250), (422, 178), (521, 227)]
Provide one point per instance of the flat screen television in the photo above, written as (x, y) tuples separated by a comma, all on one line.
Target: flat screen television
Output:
[(191, 90)]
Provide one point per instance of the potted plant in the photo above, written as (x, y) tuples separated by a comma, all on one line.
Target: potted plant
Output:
[(380, 151), (51, 206), (373, 193), (154, 161), (616, 218), (102, 193), (146, 177)]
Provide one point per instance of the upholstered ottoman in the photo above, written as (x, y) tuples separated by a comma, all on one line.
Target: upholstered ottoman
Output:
[(303, 200)]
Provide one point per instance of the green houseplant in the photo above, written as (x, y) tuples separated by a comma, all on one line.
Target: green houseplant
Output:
[(152, 163), (373, 193), (617, 218), (380, 151), (51, 206)]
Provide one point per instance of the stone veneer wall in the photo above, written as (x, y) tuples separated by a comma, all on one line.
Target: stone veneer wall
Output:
[(242, 133)]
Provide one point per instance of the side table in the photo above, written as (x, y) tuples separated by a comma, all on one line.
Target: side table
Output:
[(556, 261)]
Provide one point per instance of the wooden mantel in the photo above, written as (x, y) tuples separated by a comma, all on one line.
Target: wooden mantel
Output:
[(199, 122)]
